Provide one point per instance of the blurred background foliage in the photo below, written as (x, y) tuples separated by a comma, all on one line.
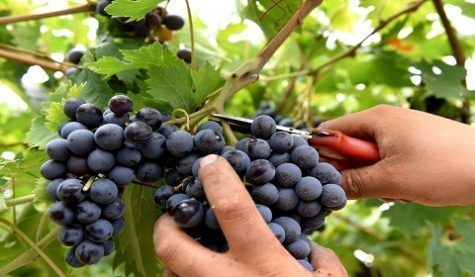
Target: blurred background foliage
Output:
[(345, 57)]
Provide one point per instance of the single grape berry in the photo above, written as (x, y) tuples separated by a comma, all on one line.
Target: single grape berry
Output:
[(257, 149), (174, 200), (101, 6), (78, 166), (209, 141), (149, 172), (266, 194), (150, 116), (109, 247), (238, 160), (100, 161), (52, 170), (88, 252), (308, 188), (57, 149), (185, 165), (287, 201), (138, 132), (112, 118), (210, 220), (287, 175), (103, 191), (195, 189), (70, 191), (260, 172), (211, 125), (188, 213), (154, 148), (265, 212), (71, 106), (167, 129), (52, 187), (128, 156), (69, 127), (263, 126), (120, 105), (308, 266), (71, 235), (153, 20), (281, 142), (291, 227), (179, 143), (300, 249), (89, 115), (88, 212), (118, 225), (114, 210), (71, 259), (121, 175), (326, 174), (278, 231), (299, 141), (185, 55), (306, 157), (109, 137), (309, 225), (75, 56), (81, 142), (61, 214), (308, 208), (99, 231), (161, 195), (277, 159), (333, 196), (173, 22)]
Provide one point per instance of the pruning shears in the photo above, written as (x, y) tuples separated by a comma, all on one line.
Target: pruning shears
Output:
[(341, 150)]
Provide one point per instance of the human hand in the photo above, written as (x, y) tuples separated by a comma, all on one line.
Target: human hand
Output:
[(425, 159), (253, 249)]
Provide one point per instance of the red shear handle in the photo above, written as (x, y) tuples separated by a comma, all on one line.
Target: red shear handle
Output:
[(336, 145)]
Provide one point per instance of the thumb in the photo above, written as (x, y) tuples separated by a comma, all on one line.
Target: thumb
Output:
[(326, 262)]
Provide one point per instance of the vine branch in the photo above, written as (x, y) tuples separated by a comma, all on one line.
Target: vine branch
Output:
[(20, 200), (33, 61), (19, 18)]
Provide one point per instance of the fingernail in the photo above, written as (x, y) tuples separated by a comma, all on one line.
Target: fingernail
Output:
[(208, 160)]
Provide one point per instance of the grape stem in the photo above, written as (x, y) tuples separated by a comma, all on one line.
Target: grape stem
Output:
[(33, 61), (20, 200), (89, 182), (192, 36), (34, 53), (35, 247), (71, 10)]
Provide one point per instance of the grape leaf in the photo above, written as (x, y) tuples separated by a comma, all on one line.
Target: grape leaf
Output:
[(410, 218), (447, 84), (135, 10), (134, 245), (206, 80), (40, 192), (452, 252), (39, 135), (55, 116)]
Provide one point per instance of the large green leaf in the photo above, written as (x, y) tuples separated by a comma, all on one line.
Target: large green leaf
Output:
[(446, 84), (39, 135), (135, 10)]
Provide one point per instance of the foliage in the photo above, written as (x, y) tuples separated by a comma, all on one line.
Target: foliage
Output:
[(404, 64)]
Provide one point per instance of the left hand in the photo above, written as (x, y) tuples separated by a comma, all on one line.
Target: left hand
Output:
[(253, 249)]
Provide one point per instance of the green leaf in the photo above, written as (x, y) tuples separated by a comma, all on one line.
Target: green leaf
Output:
[(55, 116), (452, 251), (40, 192), (39, 135), (411, 218), (447, 84), (135, 245), (135, 10), (206, 80)]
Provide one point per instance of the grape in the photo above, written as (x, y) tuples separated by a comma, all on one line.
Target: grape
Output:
[(149, 172), (70, 191), (71, 106), (71, 235), (287, 200), (161, 195), (291, 227), (286, 122), (277, 159), (308, 188), (120, 105), (333, 196), (210, 220), (109, 247), (88, 252), (188, 213), (118, 225), (184, 166), (326, 173), (306, 157), (71, 259), (69, 127), (278, 231), (99, 231), (209, 141), (309, 225), (265, 212), (114, 210), (185, 55), (266, 194), (150, 116), (52, 170), (242, 144), (281, 142), (138, 132), (155, 148), (173, 22), (287, 175), (173, 178), (260, 172), (227, 148), (52, 187), (153, 19), (112, 118), (77, 165), (195, 189), (61, 214), (121, 175), (128, 156), (109, 137), (101, 6), (174, 200), (300, 249), (89, 115), (308, 266), (179, 143), (195, 169), (308, 208), (211, 125), (103, 191), (100, 161), (299, 141), (81, 142), (238, 160), (263, 127), (88, 212), (167, 129), (74, 56), (257, 149)]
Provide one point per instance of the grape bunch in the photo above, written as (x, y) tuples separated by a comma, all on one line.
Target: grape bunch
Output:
[(293, 191), (265, 108)]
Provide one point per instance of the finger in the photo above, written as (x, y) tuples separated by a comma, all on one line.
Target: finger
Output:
[(241, 223), (326, 262), (180, 253), (168, 273)]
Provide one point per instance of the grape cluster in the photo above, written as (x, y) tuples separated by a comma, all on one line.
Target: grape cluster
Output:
[(293, 191), (265, 108), (91, 163)]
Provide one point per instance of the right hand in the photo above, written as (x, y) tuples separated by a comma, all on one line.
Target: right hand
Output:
[(425, 158)]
